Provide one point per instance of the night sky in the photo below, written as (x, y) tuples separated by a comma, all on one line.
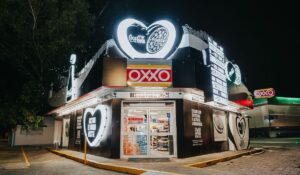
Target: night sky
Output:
[(260, 36)]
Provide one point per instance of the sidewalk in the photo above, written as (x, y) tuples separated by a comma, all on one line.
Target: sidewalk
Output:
[(174, 166)]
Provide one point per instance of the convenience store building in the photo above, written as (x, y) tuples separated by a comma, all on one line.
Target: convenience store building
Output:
[(153, 91)]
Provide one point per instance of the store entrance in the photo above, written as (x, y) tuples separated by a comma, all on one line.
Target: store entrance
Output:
[(148, 129)]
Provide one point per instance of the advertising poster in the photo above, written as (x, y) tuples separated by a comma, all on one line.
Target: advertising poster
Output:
[(220, 127), (197, 124), (78, 129)]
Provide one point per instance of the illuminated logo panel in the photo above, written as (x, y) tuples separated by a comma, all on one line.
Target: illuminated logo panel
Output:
[(233, 73), (95, 124), (149, 75), (140, 41)]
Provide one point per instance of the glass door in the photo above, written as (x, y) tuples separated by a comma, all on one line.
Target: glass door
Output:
[(135, 129), (161, 126), (148, 130)]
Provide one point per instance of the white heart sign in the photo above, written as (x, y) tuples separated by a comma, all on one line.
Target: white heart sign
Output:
[(95, 122), (139, 41)]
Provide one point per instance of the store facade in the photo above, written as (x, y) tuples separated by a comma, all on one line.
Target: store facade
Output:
[(153, 91), (274, 116)]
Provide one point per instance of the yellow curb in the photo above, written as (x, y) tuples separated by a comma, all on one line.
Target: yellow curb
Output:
[(221, 159), (106, 166), (25, 157)]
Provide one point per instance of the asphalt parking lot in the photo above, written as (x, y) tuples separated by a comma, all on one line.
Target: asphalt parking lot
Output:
[(42, 162), (280, 156)]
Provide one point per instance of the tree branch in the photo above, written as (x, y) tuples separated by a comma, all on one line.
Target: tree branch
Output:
[(104, 7)]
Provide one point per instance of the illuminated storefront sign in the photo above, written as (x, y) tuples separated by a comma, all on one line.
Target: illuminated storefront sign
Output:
[(140, 41), (264, 93), (233, 73), (218, 75), (149, 75), (95, 124)]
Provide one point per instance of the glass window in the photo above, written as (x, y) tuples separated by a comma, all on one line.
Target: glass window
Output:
[(135, 145)]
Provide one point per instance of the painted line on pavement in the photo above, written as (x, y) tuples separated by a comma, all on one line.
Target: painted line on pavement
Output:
[(25, 157), (108, 166)]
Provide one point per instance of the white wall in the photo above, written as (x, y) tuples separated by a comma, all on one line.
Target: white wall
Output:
[(57, 131), (41, 137)]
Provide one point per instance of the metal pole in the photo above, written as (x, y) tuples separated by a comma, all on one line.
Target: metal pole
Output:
[(269, 126), (85, 150)]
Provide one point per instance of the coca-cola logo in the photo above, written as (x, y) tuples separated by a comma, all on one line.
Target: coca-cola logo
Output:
[(152, 76), (140, 41), (264, 93)]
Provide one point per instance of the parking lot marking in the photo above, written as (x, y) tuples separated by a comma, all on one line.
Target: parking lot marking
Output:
[(25, 157)]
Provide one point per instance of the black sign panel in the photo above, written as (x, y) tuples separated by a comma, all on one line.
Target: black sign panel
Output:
[(92, 124)]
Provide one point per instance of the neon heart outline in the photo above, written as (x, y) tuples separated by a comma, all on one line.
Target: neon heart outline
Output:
[(131, 52), (102, 127)]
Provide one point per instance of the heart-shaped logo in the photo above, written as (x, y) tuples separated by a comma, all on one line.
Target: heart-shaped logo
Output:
[(95, 123), (241, 126), (139, 41)]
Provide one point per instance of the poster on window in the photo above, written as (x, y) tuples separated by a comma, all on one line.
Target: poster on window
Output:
[(220, 127), (78, 129)]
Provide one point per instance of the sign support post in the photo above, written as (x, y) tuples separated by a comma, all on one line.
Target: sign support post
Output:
[(85, 150)]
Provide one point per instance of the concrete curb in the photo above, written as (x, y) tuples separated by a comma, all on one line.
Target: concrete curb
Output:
[(222, 159), (107, 166)]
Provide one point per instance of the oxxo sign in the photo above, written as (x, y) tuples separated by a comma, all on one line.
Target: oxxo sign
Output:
[(149, 75), (264, 93)]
